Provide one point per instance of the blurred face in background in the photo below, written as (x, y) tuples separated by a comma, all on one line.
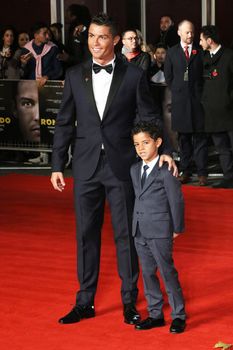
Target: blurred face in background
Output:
[(205, 42), (160, 55), (130, 41), (42, 36), (8, 38), (186, 32), (165, 23), (27, 110), (23, 39)]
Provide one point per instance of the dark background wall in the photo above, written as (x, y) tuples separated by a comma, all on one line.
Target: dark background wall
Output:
[(177, 9), (24, 13)]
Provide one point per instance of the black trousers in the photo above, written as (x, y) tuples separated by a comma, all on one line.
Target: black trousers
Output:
[(222, 142), (90, 198), (193, 146)]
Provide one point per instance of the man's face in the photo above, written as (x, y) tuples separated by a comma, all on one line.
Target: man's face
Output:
[(160, 55), (146, 147), (130, 41), (42, 36), (204, 42), (186, 33), (27, 110), (165, 23), (101, 43)]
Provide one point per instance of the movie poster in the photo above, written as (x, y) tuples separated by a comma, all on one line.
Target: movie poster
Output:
[(28, 113), (50, 99)]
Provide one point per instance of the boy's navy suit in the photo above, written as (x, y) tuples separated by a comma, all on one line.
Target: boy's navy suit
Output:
[(158, 213)]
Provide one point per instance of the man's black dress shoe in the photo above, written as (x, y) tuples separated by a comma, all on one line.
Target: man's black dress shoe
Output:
[(149, 323), (131, 315), (225, 183), (77, 313), (177, 326)]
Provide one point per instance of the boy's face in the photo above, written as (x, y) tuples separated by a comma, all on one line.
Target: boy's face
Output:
[(146, 147)]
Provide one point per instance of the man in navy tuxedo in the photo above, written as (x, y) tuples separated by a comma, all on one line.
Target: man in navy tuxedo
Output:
[(103, 96)]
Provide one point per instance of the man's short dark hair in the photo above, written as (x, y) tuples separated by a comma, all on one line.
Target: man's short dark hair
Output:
[(134, 30), (210, 31), (160, 46), (153, 128), (102, 19), (38, 26)]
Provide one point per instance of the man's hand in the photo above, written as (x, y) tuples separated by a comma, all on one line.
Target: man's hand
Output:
[(171, 163), (42, 80), (58, 182)]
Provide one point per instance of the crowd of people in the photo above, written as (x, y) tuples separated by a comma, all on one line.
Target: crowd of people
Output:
[(184, 82)]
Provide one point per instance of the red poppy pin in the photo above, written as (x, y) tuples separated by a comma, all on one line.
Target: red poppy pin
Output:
[(214, 73), (194, 52)]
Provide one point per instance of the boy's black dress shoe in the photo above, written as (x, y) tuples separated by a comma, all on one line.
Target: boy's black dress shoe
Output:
[(77, 313), (149, 323), (184, 179), (177, 326), (131, 315)]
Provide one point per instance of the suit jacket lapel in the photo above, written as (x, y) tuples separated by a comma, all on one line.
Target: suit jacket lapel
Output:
[(151, 177), (119, 72), (87, 81), (181, 51)]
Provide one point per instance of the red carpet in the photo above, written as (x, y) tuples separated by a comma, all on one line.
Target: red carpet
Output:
[(38, 274)]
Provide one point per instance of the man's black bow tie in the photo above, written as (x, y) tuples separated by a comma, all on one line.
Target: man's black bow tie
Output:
[(97, 68)]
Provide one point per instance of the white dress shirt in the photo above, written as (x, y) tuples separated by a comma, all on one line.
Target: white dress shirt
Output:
[(150, 165), (190, 46), (101, 83)]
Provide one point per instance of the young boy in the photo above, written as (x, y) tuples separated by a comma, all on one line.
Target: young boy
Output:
[(157, 219)]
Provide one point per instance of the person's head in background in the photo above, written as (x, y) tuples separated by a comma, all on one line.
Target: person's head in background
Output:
[(26, 110), (186, 32), (40, 33), (130, 40), (209, 37), (56, 29), (8, 38), (160, 53), (79, 14), (165, 23), (23, 39), (147, 138)]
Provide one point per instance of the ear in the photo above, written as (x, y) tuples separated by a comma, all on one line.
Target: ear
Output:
[(116, 40), (209, 41), (159, 142)]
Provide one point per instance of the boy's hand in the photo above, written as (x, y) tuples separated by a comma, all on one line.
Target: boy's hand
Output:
[(171, 163)]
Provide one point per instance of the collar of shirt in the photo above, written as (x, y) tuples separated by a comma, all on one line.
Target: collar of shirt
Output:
[(190, 46), (213, 52), (150, 165)]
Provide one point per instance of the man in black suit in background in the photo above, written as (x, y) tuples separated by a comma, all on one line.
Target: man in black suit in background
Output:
[(183, 72), (217, 99), (104, 96), (168, 33)]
